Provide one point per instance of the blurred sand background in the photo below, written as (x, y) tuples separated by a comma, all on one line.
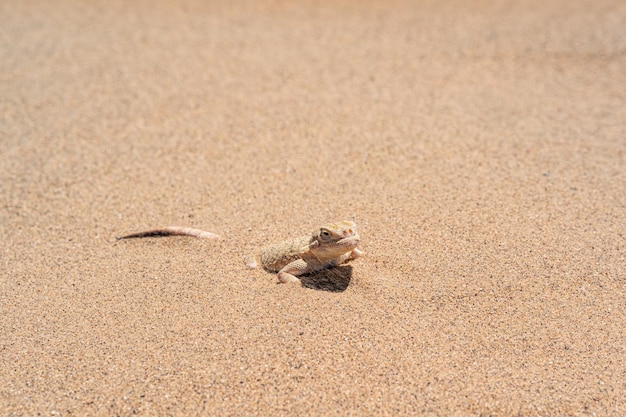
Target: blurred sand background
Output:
[(479, 145)]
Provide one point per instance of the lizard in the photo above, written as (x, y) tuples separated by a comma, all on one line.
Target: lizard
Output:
[(328, 246)]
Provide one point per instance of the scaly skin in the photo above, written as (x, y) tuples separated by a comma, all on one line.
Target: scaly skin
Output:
[(328, 246)]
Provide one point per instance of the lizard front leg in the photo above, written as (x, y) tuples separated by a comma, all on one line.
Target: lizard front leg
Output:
[(353, 254), (290, 271), (356, 252)]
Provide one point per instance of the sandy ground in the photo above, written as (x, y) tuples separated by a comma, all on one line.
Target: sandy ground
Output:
[(480, 146)]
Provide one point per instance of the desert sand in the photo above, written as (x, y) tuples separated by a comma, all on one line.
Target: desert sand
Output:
[(480, 147)]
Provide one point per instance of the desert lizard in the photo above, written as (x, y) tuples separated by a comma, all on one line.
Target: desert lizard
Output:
[(328, 246)]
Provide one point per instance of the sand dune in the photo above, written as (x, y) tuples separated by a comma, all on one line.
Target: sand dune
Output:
[(479, 146)]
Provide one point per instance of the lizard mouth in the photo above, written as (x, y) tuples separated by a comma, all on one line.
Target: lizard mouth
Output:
[(352, 241)]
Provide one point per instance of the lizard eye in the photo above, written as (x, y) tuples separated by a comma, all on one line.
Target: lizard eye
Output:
[(325, 233)]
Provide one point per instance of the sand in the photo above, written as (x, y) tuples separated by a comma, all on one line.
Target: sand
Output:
[(480, 147)]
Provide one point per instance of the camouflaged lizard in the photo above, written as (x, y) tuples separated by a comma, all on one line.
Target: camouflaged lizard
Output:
[(328, 246)]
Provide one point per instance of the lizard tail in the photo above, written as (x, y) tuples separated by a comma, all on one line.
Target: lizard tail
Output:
[(172, 231)]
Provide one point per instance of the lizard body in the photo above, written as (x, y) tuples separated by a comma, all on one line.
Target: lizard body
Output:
[(328, 246)]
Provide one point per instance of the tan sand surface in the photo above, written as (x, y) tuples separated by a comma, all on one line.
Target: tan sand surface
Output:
[(479, 145)]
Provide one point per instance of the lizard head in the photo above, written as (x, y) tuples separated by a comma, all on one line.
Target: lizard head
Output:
[(334, 239)]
